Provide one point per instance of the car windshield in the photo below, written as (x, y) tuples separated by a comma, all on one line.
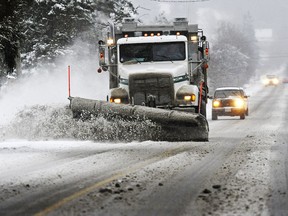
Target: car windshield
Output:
[(228, 93), (137, 53)]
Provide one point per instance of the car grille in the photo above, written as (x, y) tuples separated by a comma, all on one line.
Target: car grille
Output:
[(161, 86), (227, 103)]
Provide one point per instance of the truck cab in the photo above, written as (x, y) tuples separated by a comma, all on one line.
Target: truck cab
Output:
[(158, 66)]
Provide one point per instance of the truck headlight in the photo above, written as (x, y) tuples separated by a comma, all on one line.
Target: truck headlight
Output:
[(190, 97), (115, 100), (216, 103), (239, 103), (119, 96)]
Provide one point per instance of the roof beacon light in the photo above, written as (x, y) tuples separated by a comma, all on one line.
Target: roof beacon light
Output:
[(110, 42), (194, 38)]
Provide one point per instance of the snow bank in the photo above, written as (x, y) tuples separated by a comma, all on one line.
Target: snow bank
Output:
[(48, 84)]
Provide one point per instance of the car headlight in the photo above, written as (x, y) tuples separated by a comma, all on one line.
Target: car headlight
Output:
[(216, 103), (239, 103), (265, 81), (275, 81)]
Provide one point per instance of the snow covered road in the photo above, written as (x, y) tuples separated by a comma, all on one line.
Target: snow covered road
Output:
[(242, 170)]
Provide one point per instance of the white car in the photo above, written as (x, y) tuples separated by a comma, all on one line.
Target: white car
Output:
[(229, 101), (271, 80)]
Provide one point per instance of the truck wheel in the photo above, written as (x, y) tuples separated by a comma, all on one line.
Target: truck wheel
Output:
[(214, 116), (247, 112), (242, 116)]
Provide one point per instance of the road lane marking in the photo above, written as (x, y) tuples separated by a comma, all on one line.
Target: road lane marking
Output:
[(62, 202)]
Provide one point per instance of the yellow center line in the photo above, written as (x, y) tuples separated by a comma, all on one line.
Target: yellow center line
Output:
[(97, 185)]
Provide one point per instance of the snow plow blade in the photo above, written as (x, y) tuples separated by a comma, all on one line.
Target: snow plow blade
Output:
[(175, 125)]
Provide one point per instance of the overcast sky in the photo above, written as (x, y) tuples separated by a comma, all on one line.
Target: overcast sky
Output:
[(266, 14)]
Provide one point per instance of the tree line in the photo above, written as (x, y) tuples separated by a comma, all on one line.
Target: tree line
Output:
[(234, 54), (33, 32)]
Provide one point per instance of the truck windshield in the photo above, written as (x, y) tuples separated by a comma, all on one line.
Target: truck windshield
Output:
[(147, 52)]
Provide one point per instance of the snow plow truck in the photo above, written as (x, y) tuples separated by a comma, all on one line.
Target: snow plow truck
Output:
[(156, 72)]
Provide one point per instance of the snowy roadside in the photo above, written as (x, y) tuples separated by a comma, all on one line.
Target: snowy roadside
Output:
[(242, 185)]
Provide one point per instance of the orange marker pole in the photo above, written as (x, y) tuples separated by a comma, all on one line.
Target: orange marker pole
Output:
[(69, 75)]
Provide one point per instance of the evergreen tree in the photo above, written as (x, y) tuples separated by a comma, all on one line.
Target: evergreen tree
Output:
[(161, 19), (54, 25), (116, 9), (43, 29), (10, 13)]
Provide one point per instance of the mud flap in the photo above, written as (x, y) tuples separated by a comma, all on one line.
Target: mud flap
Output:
[(175, 125)]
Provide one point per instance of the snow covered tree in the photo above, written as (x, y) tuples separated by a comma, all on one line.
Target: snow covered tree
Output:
[(232, 56), (116, 9), (10, 14), (251, 47), (52, 26), (44, 29), (161, 19)]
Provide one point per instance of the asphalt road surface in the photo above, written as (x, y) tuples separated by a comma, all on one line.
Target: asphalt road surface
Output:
[(242, 170)]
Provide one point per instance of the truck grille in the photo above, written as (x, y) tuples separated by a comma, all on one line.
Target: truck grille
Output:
[(160, 86)]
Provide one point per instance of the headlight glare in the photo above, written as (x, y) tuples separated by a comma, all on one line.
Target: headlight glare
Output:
[(239, 103), (275, 81)]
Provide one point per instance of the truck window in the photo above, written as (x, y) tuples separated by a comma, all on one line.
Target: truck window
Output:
[(172, 51)]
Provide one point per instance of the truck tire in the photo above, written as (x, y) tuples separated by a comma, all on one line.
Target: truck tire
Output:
[(242, 116)]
